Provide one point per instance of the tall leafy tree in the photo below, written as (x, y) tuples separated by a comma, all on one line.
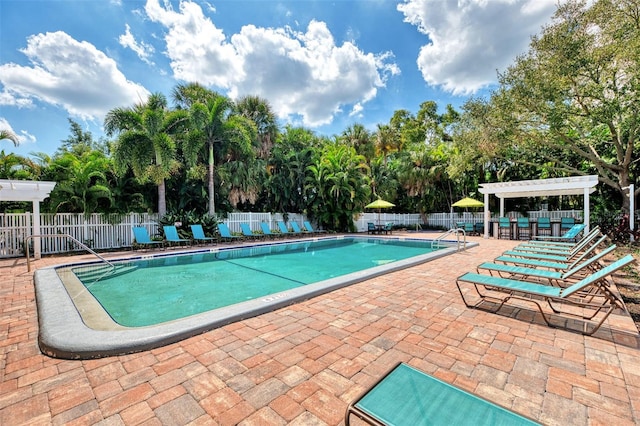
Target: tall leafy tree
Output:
[(338, 186), (146, 141), (570, 104), (259, 111), (215, 128)]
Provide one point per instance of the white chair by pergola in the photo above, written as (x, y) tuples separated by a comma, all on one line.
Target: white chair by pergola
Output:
[(28, 190), (556, 187)]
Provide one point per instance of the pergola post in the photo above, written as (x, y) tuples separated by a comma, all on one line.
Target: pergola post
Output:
[(37, 243), (585, 215)]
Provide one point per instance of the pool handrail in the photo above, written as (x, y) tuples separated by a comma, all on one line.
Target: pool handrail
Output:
[(84, 246)]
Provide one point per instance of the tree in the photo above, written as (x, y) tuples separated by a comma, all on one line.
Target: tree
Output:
[(570, 105), (212, 125), (9, 135), (338, 186), (146, 141), (259, 111)]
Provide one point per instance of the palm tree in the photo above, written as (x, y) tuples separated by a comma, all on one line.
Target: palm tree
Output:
[(146, 141), (259, 111), (8, 134), (213, 126)]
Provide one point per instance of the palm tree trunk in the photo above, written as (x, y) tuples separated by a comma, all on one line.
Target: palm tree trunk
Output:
[(212, 190), (162, 199)]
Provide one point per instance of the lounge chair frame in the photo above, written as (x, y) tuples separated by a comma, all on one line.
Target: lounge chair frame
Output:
[(554, 297), (172, 237), (142, 238)]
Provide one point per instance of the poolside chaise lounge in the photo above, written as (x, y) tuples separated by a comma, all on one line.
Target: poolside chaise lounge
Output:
[(266, 231), (248, 233), (554, 276), (307, 225), (570, 235), (577, 295), (285, 231), (561, 245), (556, 256), (563, 251), (198, 235), (296, 229), (548, 261), (172, 237), (142, 239), (408, 396), (226, 235)]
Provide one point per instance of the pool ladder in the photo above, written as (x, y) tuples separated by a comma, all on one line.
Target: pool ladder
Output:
[(436, 243), (84, 246)]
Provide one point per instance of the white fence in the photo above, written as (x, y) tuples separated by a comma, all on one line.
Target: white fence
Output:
[(109, 232)]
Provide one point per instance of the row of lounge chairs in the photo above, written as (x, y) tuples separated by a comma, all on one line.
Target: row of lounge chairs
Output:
[(171, 236), (570, 277)]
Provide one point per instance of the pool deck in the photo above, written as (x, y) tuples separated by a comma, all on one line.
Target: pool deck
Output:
[(304, 363)]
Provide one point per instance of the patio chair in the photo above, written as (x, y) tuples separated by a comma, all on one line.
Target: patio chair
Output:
[(479, 228), (266, 230), (142, 239), (566, 223), (285, 231), (172, 237), (560, 244), (536, 293), (523, 228), (198, 235), (469, 229), (296, 228), (226, 235), (248, 233), (544, 226), (387, 228), (408, 396), (554, 276), (504, 227), (310, 228), (371, 228)]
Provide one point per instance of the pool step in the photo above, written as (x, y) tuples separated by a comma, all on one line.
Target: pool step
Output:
[(89, 274)]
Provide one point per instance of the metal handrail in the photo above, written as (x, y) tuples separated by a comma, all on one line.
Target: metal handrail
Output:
[(84, 246), (457, 231)]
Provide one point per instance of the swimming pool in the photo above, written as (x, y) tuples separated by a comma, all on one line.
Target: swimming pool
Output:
[(88, 310)]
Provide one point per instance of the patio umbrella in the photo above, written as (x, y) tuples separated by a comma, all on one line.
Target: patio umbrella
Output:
[(379, 204), (466, 202)]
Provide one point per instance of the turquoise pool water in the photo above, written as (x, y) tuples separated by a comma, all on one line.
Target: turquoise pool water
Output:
[(152, 291)]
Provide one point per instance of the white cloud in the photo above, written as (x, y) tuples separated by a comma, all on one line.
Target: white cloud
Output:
[(70, 74), (470, 40), (142, 49), (301, 73)]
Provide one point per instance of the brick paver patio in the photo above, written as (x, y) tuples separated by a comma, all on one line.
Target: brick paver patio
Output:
[(303, 364)]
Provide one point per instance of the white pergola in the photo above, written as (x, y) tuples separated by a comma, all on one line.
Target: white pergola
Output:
[(575, 185), (28, 190)]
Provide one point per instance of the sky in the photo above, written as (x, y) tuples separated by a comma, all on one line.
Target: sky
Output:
[(324, 65)]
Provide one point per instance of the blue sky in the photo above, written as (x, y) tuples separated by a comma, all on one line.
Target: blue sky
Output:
[(321, 64)]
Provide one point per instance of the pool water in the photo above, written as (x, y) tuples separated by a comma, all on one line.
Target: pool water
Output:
[(152, 291)]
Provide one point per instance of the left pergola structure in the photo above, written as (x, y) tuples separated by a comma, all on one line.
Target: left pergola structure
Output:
[(28, 190)]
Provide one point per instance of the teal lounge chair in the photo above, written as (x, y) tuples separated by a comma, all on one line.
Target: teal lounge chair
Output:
[(546, 263), (172, 237), (142, 239), (310, 228), (285, 231), (555, 297), (198, 235), (408, 396), (556, 245), (566, 257), (266, 231), (562, 250), (570, 235), (296, 228), (555, 277), (248, 233), (226, 235)]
